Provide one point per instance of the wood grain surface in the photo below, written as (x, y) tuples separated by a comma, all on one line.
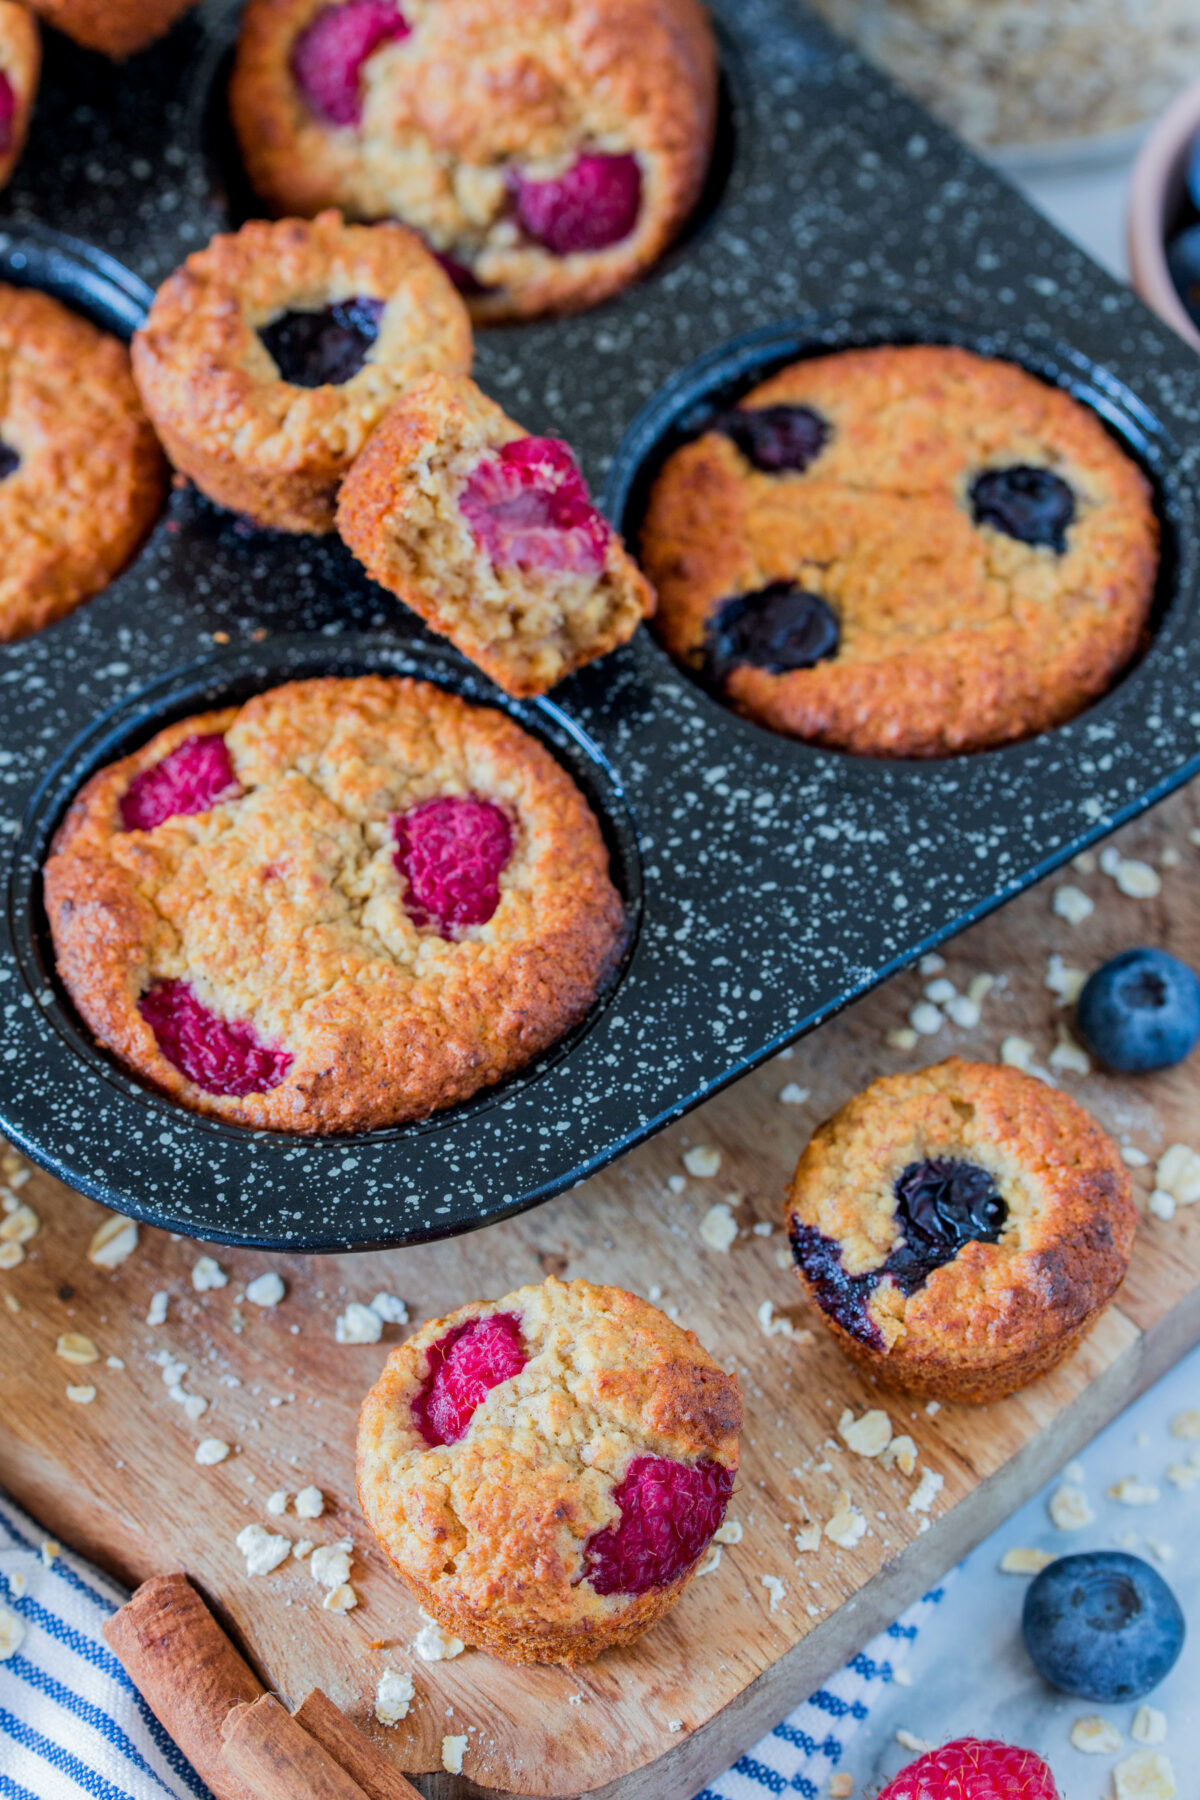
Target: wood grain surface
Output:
[(117, 1478)]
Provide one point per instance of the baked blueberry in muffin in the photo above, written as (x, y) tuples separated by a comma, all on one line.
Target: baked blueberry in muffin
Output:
[(959, 1229), (906, 551), (116, 28), (545, 1471), (548, 151), (489, 534), (268, 359), (346, 904), (20, 68), (81, 473)]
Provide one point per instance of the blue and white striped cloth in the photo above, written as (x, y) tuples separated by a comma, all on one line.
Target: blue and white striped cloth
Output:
[(73, 1724)]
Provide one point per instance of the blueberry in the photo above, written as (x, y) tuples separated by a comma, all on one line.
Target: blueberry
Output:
[(779, 627), (1193, 172), (1032, 505), (10, 461), (316, 349), (1103, 1626), (776, 439), (1183, 260), (1141, 1011)]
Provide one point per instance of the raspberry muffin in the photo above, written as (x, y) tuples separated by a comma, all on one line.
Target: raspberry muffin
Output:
[(20, 67), (116, 28), (345, 904), (548, 150), (269, 358), (907, 551), (490, 536), (961, 1228), (545, 1471), (81, 473)]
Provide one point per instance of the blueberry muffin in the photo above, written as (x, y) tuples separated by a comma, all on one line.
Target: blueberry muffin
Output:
[(545, 1471), (960, 1229), (490, 536), (81, 473), (116, 28), (548, 150), (345, 904), (20, 67), (269, 358), (905, 551)]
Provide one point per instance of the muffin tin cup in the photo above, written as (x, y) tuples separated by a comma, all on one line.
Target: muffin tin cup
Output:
[(768, 882)]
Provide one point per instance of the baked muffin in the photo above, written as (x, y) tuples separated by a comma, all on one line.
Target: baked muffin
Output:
[(959, 1229), (81, 473), (269, 358), (117, 28), (345, 904), (905, 551), (20, 67), (548, 150), (545, 1471), (490, 536)]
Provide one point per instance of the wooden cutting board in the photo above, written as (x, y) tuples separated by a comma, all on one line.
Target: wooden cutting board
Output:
[(117, 1478)]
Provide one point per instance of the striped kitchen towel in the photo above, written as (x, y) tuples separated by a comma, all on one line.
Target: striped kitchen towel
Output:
[(72, 1723)]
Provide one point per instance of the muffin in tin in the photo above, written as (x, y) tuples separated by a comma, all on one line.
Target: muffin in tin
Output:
[(81, 473), (549, 151), (348, 903), (268, 359), (489, 534), (959, 1229), (904, 551), (545, 1471), (116, 28), (20, 68)]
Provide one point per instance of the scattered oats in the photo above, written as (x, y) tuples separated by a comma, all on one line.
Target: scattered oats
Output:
[(1018, 1053), (775, 1589), (847, 1526), (1069, 1056), (10, 1256), (19, 1226), (762, 1228), (718, 1227), (359, 1325), (1137, 879), (770, 1326), (674, 1724), (173, 1369), (783, 1258), (265, 1290), (1183, 1475), (654, 1293), (1064, 982), (931, 963), (900, 1454), (941, 991), (433, 1644), (73, 1347), (11, 1302), (979, 987), (302, 1548), (1178, 1174), (452, 1754), (903, 1037), (340, 1599), (157, 1314), (903, 1677), (702, 1160), (908, 1740), (933, 1407), (114, 1362), (113, 1241), (50, 1550), (1161, 1552), (208, 1274), (390, 1310), (310, 1503), (18, 1582), (1161, 1205), (1132, 1492), (263, 1550), (808, 1538), (1146, 1775), (868, 1436), (12, 1634), (1110, 859), (1132, 1157), (925, 1019), (676, 1183), (794, 1095), (82, 1396), (210, 1451), (1171, 857), (710, 1560), (963, 1011), (1025, 1562), (729, 1533), (330, 1564), (926, 1491), (194, 1405), (394, 1694), (1085, 862), (1186, 1424), (277, 1503), (1069, 1509), (1095, 1736), (1149, 1726), (1072, 904)]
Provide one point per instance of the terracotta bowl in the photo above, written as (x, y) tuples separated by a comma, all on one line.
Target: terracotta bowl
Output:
[(1155, 195)]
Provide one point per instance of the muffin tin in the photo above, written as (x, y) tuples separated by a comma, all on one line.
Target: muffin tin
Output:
[(767, 883)]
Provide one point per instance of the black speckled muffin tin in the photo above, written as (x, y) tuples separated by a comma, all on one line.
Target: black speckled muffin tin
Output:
[(767, 883)]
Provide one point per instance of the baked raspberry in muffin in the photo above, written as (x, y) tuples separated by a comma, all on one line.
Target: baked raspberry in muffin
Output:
[(81, 473), (20, 67), (548, 150), (906, 551), (345, 904), (490, 536), (116, 28), (961, 1228), (269, 358), (545, 1471)]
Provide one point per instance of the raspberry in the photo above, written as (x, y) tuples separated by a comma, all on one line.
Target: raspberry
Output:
[(8, 108), (974, 1769), (465, 1366), (528, 507), (328, 55), (191, 779), (222, 1056), (594, 204), (669, 1511), (451, 854)]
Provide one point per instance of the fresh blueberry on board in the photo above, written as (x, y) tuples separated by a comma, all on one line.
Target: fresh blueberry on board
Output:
[(1140, 1011), (1103, 1626), (1183, 260)]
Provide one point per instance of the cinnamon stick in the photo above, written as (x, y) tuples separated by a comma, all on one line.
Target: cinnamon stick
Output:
[(276, 1758), (353, 1749), (187, 1670)]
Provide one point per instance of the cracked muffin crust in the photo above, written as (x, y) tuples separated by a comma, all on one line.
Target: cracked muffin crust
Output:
[(81, 473), (488, 534), (906, 551), (548, 151), (117, 28), (268, 359), (346, 904), (959, 1229), (20, 68), (546, 1470)]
